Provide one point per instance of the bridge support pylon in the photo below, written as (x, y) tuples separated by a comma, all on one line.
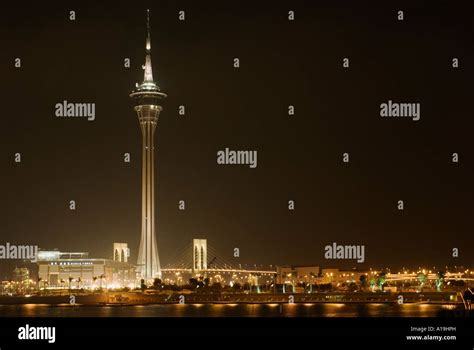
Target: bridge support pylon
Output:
[(199, 256)]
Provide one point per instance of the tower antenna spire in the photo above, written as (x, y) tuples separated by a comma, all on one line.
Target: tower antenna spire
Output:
[(148, 37), (148, 76)]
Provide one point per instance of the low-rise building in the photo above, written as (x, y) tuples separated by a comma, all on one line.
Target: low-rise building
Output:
[(297, 274), (339, 277), (315, 275), (76, 270)]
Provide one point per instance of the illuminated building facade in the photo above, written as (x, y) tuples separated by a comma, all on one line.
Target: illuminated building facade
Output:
[(297, 274), (76, 270)]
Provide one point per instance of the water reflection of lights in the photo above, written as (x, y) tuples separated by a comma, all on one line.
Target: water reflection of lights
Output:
[(335, 305), (449, 307), (34, 305)]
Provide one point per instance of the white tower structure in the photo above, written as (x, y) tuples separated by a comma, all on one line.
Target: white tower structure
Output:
[(147, 98)]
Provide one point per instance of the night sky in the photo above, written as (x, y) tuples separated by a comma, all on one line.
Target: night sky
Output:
[(299, 157)]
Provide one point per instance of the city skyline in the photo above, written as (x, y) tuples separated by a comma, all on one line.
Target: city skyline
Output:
[(312, 174), (300, 157)]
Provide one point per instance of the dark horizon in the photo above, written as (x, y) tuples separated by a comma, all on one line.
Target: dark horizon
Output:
[(299, 157)]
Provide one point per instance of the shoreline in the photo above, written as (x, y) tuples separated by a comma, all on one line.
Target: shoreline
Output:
[(238, 303), (142, 299)]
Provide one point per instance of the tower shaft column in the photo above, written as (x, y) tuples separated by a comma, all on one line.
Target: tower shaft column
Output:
[(148, 253)]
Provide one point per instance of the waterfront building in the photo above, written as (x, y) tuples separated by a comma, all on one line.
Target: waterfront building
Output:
[(297, 274), (57, 270)]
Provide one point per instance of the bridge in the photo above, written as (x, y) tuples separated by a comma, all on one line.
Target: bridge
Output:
[(200, 260)]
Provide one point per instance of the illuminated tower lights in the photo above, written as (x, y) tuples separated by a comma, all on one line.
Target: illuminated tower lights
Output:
[(147, 98)]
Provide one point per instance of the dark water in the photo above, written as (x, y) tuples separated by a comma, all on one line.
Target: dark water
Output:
[(236, 310)]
